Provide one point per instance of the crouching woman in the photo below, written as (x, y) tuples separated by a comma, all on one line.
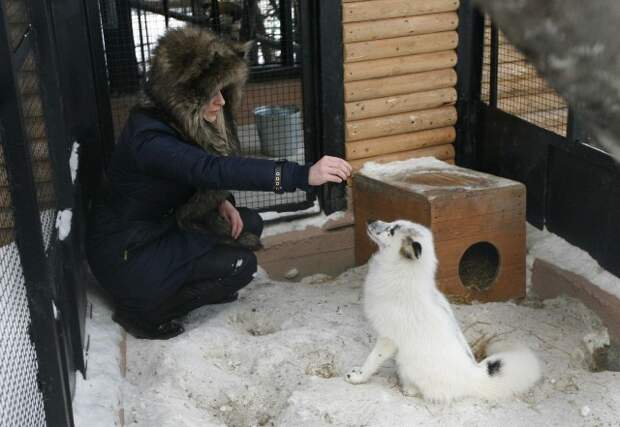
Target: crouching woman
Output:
[(173, 165)]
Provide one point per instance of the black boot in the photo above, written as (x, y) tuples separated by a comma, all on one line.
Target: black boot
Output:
[(191, 297), (140, 325)]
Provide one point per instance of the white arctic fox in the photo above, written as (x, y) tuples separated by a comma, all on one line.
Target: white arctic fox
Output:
[(414, 322)]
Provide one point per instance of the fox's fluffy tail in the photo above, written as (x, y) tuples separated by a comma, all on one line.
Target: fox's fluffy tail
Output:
[(510, 369)]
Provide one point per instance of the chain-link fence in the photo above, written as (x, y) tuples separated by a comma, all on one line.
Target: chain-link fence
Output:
[(270, 121)]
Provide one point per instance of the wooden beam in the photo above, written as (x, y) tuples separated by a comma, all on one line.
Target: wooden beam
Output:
[(382, 9), (399, 27), (388, 86), (399, 65), (399, 104), (400, 46), (400, 123), (396, 143)]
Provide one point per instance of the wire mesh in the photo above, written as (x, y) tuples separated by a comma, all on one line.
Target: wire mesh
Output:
[(271, 125), (17, 21), (131, 30), (521, 91), (34, 123), (21, 402)]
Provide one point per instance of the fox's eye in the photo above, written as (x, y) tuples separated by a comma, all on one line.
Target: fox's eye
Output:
[(393, 229)]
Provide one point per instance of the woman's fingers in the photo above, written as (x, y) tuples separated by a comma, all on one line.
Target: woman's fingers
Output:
[(237, 225), (339, 163), (340, 171), (329, 169)]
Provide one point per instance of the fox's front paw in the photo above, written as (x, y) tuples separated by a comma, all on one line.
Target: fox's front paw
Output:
[(356, 376)]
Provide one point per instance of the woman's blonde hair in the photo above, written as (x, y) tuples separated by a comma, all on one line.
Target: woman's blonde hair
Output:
[(220, 124)]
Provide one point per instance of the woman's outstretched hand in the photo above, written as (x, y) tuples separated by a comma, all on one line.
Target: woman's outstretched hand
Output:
[(230, 213), (329, 169)]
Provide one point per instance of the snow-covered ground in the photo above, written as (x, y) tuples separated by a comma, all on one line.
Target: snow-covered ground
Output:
[(277, 357)]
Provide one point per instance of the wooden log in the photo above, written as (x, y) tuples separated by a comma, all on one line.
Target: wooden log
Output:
[(399, 103), (400, 46), (549, 118), (399, 27), (399, 65), (32, 107), (441, 152), (382, 9), (35, 130), (41, 171), (6, 218), (396, 143), (512, 70), (507, 53), (45, 196), (7, 236), (388, 86), (531, 103), (38, 149), (400, 123), (28, 83), (518, 87)]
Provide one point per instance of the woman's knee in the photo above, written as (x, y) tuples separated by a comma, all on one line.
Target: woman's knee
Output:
[(252, 221), (246, 264)]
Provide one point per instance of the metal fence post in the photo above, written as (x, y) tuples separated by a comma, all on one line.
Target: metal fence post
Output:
[(469, 71)]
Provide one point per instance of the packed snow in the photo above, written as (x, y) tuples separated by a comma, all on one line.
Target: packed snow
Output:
[(63, 223), (277, 357), (73, 161)]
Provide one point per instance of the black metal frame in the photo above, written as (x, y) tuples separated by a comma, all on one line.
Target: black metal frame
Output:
[(469, 70), (45, 330), (323, 90), (573, 188)]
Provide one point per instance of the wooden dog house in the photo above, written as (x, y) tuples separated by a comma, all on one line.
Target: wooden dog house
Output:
[(478, 222)]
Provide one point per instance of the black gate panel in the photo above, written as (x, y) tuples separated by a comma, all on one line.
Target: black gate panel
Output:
[(512, 148), (526, 132), (584, 202)]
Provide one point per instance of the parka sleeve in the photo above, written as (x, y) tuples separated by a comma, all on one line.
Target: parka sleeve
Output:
[(164, 156)]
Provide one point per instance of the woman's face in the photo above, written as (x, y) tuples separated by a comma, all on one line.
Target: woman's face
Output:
[(212, 107)]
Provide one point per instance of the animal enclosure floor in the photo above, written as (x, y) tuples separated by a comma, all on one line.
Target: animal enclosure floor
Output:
[(278, 355)]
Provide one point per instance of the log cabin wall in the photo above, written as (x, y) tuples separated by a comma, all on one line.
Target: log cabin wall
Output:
[(399, 79)]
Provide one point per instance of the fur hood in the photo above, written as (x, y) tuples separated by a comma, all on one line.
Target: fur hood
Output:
[(188, 67)]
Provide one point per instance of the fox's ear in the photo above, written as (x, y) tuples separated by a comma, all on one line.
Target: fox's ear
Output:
[(410, 248)]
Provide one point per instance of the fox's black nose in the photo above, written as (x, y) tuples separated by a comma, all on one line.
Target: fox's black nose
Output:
[(370, 221)]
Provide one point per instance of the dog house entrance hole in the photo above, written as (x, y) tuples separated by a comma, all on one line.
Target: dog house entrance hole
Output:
[(479, 266)]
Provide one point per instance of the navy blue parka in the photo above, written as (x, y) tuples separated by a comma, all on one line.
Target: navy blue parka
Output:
[(135, 248)]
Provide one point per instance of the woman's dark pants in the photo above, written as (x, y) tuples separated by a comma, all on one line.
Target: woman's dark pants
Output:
[(216, 277)]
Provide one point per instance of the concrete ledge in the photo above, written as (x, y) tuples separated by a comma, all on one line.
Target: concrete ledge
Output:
[(549, 281), (310, 251)]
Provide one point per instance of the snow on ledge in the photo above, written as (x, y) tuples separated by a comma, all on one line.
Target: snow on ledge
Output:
[(557, 251)]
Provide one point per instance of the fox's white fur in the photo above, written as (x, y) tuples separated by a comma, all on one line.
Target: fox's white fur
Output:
[(415, 323)]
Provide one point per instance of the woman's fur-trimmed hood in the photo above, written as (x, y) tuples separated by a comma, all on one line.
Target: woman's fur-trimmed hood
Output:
[(188, 67)]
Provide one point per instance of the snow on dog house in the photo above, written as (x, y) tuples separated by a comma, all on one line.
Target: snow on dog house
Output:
[(478, 222)]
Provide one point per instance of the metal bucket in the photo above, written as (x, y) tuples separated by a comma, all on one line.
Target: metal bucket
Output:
[(280, 130)]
